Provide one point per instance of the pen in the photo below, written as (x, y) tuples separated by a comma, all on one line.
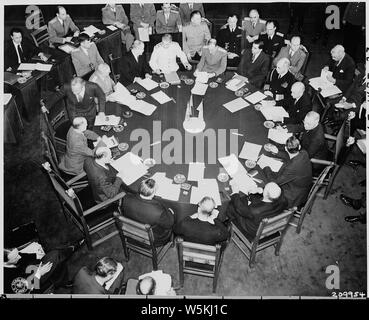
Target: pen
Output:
[(154, 143)]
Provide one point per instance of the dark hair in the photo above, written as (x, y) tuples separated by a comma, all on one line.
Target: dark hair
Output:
[(195, 12), (293, 145), (83, 37), (231, 15), (271, 21), (106, 266), (58, 9), (259, 43), (152, 287), (147, 187), (16, 30)]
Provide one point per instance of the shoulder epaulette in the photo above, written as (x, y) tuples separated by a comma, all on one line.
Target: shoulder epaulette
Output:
[(174, 11), (205, 47), (222, 49), (262, 21), (246, 19), (280, 34), (238, 27), (52, 20), (160, 11), (224, 26)]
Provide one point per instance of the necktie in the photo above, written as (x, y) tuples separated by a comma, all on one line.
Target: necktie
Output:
[(253, 58), (291, 52), (20, 52), (191, 6), (166, 18), (253, 25), (79, 97)]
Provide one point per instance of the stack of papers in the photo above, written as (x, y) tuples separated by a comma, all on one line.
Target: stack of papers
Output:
[(161, 97), (236, 83), (130, 168), (143, 34), (250, 151), (36, 248), (206, 188), (110, 142), (279, 135), (196, 171), (199, 88), (266, 161), (327, 87), (166, 188), (236, 105), (172, 78), (274, 113), (147, 83), (111, 120), (91, 30), (361, 143), (112, 28), (143, 107), (202, 77), (256, 97), (67, 48), (6, 98), (35, 66)]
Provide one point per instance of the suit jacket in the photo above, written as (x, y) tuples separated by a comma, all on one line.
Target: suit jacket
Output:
[(185, 11), (297, 111), (297, 60), (274, 45), (106, 84), (231, 41), (294, 177), (86, 63), (255, 71), (130, 68), (356, 92), (110, 17), (57, 31), (104, 183), (249, 216), (216, 62), (77, 151), (281, 86), (146, 14), (152, 212), (313, 141), (343, 73), (85, 282), (10, 53), (170, 26), (197, 231), (250, 30)]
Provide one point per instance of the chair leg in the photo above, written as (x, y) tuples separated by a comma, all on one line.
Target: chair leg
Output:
[(330, 183), (252, 258), (155, 262)]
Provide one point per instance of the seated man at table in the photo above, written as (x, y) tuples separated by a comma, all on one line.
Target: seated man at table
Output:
[(253, 27), (134, 64), (102, 77), (203, 227), (167, 20), (280, 81), (143, 208), (86, 58), (81, 97), (106, 278), (273, 41), (60, 27), (156, 283), (295, 54), (254, 64), (77, 150), (213, 60), (195, 35), (342, 67), (163, 58), (19, 50), (248, 211), (114, 14), (295, 176)]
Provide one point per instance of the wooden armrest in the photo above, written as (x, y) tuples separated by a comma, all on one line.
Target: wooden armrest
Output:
[(319, 161), (330, 137), (76, 178), (104, 204)]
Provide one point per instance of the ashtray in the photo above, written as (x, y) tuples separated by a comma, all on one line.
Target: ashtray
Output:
[(149, 162), (106, 128), (133, 91), (250, 164), (123, 146), (258, 107), (269, 147), (118, 128), (189, 81), (179, 178), (102, 31), (239, 93), (183, 77), (219, 80), (22, 80), (140, 95), (223, 177), (164, 85), (127, 114), (269, 124), (213, 84)]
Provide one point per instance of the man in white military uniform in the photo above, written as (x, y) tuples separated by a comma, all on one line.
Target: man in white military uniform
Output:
[(163, 58)]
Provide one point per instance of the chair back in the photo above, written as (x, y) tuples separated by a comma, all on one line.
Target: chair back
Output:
[(41, 36), (114, 67), (49, 152), (340, 145), (304, 65)]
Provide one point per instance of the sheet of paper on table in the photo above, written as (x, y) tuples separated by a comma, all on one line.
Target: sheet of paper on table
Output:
[(274, 113), (250, 151), (325, 73), (196, 171), (36, 248), (320, 82), (202, 77), (330, 91), (361, 143), (236, 83), (147, 83), (236, 104), (67, 48), (116, 274), (172, 78), (143, 34), (91, 30), (255, 97), (161, 97), (266, 161), (166, 188), (6, 98), (279, 135), (143, 107), (35, 66), (112, 28), (199, 88), (110, 120), (206, 188), (110, 142), (130, 167)]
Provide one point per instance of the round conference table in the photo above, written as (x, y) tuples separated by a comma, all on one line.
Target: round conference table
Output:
[(170, 115)]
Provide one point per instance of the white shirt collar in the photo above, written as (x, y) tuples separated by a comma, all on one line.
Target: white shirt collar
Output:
[(82, 93), (282, 75), (84, 50), (209, 219), (256, 56), (340, 61), (61, 21)]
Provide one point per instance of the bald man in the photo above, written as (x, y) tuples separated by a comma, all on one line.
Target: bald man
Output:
[(155, 283), (342, 67), (248, 211), (252, 26)]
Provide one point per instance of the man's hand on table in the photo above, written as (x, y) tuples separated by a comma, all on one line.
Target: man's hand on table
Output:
[(42, 56), (147, 76), (331, 79), (76, 34), (67, 39)]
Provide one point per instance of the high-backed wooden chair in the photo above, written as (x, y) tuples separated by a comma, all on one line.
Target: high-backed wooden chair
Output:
[(139, 237), (95, 221), (301, 75), (199, 259), (271, 232), (41, 36), (114, 67)]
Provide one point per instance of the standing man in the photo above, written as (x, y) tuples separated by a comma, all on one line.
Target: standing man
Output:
[(143, 15), (114, 14), (185, 10), (252, 26), (167, 20), (273, 41), (61, 26), (229, 37)]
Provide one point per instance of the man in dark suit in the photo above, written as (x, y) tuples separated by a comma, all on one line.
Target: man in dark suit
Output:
[(229, 37), (280, 81), (273, 41), (295, 176), (247, 212), (134, 64), (19, 50), (342, 67), (203, 226), (144, 208), (254, 64)]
